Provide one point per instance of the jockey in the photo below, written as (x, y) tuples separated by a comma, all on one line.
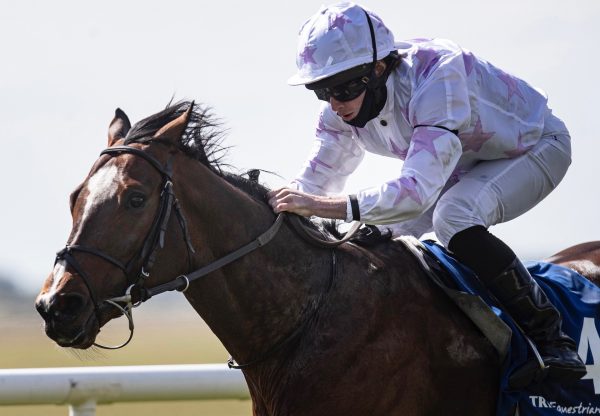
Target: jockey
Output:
[(480, 147)]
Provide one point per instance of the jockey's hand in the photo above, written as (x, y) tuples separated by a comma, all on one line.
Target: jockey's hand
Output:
[(301, 203)]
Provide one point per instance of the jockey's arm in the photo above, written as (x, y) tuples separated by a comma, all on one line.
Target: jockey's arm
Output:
[(301, 203), (315, 190), (431, 159)]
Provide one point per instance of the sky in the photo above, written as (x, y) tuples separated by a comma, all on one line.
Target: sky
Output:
[(66, 65)]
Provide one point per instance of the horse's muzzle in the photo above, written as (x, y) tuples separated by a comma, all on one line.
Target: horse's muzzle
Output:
[(69, 319)]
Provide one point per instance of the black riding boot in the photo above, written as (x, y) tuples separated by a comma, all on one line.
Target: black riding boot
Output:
[(528, 305), (525, 301)]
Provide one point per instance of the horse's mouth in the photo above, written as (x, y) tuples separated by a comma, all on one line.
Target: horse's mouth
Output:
[(82, 339)]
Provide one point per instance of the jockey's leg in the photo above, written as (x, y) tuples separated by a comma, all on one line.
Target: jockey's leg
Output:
[(498, 191), (526, 303)]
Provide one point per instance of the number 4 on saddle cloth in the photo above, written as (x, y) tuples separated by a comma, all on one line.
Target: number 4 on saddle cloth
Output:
[(578, 301)]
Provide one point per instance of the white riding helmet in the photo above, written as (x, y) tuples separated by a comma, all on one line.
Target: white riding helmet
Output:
[(338, 38)]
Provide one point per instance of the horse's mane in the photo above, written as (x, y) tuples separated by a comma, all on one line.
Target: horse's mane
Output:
[(202, 141)]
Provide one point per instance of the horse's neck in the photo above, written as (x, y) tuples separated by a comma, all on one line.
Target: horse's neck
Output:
[(252, 302)]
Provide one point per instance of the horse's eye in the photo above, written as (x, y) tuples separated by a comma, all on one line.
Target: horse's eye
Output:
[(137, 200)]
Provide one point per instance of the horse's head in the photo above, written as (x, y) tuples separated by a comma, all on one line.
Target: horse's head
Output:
[(120, 213)]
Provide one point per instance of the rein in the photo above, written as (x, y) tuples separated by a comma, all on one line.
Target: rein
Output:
[(155, 240)]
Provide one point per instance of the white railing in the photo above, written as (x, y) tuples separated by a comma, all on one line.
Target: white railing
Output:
[(81, 388)]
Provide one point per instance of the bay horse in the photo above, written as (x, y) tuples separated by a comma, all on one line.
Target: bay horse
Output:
[(318, 331)]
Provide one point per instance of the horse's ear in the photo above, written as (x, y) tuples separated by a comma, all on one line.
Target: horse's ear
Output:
[(173, 130), (119, 126)]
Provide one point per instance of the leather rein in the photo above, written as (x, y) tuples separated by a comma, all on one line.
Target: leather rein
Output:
[(155, 240)]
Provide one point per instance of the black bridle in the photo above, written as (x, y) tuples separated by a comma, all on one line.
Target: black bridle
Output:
[(146, 256), (155, 240)]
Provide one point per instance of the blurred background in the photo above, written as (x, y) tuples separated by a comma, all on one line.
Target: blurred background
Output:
[(66, 65)]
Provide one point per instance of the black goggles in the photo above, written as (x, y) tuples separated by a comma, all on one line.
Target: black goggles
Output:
[(346, 91)]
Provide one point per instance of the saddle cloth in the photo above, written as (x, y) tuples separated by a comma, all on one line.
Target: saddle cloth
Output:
[(578, 301)]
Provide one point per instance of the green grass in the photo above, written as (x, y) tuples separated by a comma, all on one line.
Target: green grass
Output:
[(164, 334)]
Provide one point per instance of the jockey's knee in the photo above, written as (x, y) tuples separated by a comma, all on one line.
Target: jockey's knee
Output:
[(450, 217)]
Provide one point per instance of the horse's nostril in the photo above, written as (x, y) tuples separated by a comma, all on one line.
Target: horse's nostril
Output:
[(65, 306)]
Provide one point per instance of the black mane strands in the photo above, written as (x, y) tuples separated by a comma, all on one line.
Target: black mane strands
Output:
[(202, 139)]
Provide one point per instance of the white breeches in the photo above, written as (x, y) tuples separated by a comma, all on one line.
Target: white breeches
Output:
[(495, 191)]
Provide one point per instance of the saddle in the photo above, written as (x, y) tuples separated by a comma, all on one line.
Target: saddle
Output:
[(578, 301), (474, 306)]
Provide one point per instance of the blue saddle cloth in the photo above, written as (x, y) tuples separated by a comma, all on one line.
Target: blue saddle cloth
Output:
[(578, 300)]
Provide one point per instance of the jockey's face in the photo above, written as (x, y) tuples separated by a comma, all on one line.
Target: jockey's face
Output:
[(347, 110)]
